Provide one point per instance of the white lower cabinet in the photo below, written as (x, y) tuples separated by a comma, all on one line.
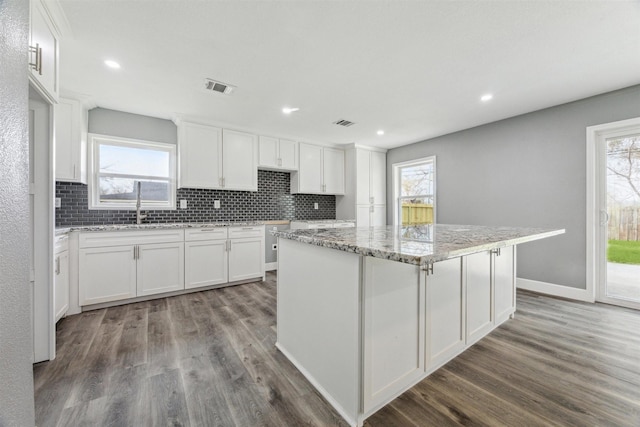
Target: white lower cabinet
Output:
[(120, 265), (61, 278), (206, 257), (444, 312), (206, 263), (393, 328), (160, 268), (107, 274), (246, 258), (504, 287), (479, 296)]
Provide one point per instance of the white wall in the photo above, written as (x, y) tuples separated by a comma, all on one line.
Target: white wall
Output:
[(528, 170), (16, 372)]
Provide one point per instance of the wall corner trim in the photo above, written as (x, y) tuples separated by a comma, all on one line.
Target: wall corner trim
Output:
[(555, 290)]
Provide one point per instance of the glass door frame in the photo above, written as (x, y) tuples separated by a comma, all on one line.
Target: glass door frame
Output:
[(596, 208)]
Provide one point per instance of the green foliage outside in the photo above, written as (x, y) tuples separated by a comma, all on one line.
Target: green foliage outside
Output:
[(623, 251)]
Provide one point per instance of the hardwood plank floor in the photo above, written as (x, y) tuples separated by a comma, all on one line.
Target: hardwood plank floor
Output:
[(208, 359)]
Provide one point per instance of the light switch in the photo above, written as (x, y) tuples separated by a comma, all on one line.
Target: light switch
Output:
[(216, 204), (58, 202), (183, 204), (315, 206)]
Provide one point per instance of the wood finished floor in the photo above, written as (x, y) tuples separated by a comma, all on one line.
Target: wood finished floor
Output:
[(208, 359)]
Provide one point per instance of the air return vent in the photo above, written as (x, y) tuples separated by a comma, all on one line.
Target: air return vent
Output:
[(345, 123), (220, 87)]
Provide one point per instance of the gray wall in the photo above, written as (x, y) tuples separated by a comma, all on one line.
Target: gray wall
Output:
[(16, 372), (135, 126), (528, 170)]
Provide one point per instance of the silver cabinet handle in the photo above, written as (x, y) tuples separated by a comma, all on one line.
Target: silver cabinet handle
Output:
[(229, 245), (134, 252), (279, 162), (57, 266), (371, 199), (37, 51)]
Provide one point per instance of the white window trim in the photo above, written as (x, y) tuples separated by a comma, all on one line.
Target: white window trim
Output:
[(396, 185), (93, 169)]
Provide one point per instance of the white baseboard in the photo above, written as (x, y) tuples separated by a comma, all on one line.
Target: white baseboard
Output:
[(555, 290), (270, 266)]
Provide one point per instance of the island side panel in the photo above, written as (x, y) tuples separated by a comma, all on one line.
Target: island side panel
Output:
[(318, 319)]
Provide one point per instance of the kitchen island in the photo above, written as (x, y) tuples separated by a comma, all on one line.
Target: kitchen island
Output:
[(366, 313)]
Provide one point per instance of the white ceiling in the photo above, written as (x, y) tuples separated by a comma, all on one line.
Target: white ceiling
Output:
[(413, 68)]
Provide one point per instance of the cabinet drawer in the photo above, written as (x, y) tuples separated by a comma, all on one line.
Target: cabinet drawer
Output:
[(118, 238), (239, 232), (205, 233)]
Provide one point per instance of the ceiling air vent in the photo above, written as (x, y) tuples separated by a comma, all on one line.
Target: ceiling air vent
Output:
[(345, 123), (218, 86)]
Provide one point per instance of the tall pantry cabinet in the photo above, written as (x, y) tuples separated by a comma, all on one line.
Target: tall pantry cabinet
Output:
[(365, 187)]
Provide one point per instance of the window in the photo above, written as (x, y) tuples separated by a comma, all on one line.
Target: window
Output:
[(117, 165), (414, 191)]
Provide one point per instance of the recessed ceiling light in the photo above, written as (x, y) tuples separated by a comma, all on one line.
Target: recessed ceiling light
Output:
[(289, 110), (111, 64), (380, 132), (486, 97)]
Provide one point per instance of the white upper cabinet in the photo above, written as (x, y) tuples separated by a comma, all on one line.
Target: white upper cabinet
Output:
[(365, 187), (239, 161), (333, 170), (278, 154), (214, 158), (43, 52), (378, 178), (71, 141), (321, 170)]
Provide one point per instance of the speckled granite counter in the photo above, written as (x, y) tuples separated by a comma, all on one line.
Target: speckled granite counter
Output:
[(131, 227), (324, 221), (418, 245)]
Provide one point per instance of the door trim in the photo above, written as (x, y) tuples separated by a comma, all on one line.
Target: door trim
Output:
[(594, 134)]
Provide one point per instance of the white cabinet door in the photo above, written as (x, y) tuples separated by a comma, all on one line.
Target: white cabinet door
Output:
[(310, 169), (160, 268), (479, 296), (106, 274), (205, 263), (394, 334), (246, 259), (268, 152), (61, 284), (70, 141), (288, 154), (445, 314), (378, 178), (333, 171), (240, 154), (363, 176), (504, 284), (44, 37), (378, 215), (200, 149), (363, 216)]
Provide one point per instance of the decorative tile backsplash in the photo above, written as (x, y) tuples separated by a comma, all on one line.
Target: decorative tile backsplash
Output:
[(272, 201)]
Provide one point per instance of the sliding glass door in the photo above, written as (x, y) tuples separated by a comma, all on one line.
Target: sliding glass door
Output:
[(619, 202)]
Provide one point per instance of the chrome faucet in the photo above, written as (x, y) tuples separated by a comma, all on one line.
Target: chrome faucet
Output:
[(139, 215)]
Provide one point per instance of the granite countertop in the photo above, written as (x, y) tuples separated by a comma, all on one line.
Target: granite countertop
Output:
[(323, 221), (419, 245), (131, 227)]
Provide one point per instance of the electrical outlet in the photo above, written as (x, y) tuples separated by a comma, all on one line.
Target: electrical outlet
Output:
[(58, 202), (216, 204), (274, 247), (183, 204), (315, 206)]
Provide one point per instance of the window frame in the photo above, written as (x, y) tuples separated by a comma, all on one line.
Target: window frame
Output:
[(396, 168), (94, 141)]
